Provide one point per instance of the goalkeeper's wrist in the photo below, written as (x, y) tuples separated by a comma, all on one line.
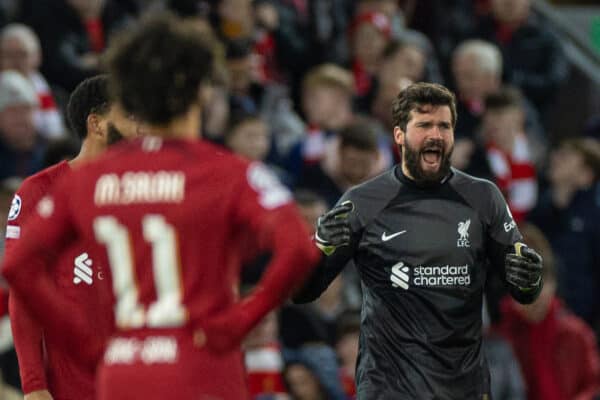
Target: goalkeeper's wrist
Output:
[(323, 245), (531, 288)]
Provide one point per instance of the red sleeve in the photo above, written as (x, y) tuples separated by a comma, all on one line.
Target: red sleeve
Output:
[(27, 334), (265, 207), (49, 231), (589, 385)]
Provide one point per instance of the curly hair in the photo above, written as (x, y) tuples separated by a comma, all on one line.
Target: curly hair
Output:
[(156, 68), (418, 95), (91, 96)]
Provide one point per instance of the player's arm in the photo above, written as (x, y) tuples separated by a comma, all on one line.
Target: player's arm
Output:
[(26, 268), (334, 238), (27, 333), (520, 266), (265, 207)]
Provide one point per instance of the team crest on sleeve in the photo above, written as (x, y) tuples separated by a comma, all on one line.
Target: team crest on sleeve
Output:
[(272, 193), (15, 208)]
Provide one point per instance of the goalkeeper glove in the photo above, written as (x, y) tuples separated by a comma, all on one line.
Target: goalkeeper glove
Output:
[(524, 268), (333, 228)]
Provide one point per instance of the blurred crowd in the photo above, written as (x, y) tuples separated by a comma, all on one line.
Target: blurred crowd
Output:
[(306, 87)]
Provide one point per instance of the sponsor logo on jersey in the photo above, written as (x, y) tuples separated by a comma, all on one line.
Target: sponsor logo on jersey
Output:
[(83, 269), (508, 226), (151, 350), (399, 276), (435, 276), (463, 232), (385, 237), (15, 208)]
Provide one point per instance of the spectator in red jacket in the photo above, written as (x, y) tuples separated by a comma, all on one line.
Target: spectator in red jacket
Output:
[(557, 350)]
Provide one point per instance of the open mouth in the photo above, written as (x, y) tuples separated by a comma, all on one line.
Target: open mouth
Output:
[(432, 156)]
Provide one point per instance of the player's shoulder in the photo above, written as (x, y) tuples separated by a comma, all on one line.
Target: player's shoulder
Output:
[(38, 184), (471, 185), (384, 185)]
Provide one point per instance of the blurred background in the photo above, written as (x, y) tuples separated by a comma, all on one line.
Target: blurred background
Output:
[(306, 86)]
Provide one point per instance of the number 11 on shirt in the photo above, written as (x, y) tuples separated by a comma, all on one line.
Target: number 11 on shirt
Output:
[(167, 310)]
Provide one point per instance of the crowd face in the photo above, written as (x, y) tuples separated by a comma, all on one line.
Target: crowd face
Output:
[(15, 55), (503, 126), (327, 107), (511, 11), (356, 164), (472, 82), (427, 143), (251, 139), (566, 165), (17, 125), (408, 62), (302, 383), (368, 44)]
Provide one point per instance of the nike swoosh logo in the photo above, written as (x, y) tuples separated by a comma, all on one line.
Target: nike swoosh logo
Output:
[(385, 238)]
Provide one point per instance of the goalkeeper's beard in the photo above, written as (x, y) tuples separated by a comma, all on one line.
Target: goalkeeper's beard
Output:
[(412, 159)]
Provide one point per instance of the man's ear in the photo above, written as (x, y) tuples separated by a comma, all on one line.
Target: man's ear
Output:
[(398, 136), (94, 128)]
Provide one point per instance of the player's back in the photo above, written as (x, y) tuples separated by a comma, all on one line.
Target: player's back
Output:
[(169, 216)]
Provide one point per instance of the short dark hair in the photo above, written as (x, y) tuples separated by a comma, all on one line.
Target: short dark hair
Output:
[(157, 67), (237, 119), (89, 97), (418, 95), (505, 97), (359, 134), (589, 149)]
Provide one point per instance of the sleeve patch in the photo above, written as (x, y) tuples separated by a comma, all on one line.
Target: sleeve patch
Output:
[(272, 193), (13, 232), (15, 208)]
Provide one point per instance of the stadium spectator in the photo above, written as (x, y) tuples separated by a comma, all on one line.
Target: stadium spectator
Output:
[(509, 150), (556, 349), (356, 161), (533, 57), (418, 235), (189, 341), (20, 51), (73, 34), (264, 360), (370, 32), (346, 347), (247, 95), (567, 212), (327, 92), (312, 373), (21, 146), (477, 72)]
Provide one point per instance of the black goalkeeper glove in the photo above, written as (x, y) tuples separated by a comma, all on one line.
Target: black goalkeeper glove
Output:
[(524, 268), (333, 228)]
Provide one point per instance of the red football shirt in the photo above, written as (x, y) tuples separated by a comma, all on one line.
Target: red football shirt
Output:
[(42, 363), (168, 216)]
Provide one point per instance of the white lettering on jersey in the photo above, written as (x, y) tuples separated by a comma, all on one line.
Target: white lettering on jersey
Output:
[(140, 187), (272, 193), (508, 226), (15, 208), (83, 269), (443, 275), (153, 349)]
